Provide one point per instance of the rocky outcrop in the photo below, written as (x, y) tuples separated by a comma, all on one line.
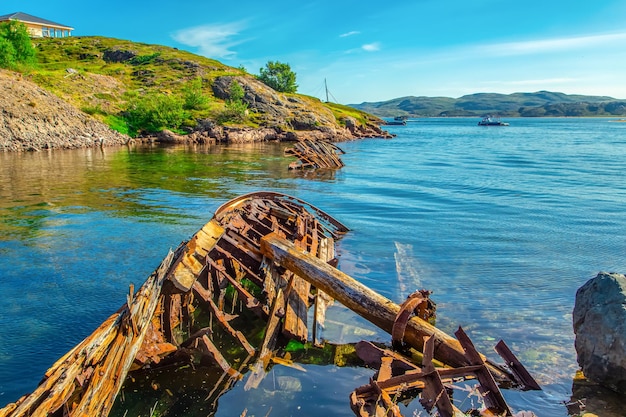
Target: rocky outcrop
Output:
[(599, 319), (31, 118), (286, 113)]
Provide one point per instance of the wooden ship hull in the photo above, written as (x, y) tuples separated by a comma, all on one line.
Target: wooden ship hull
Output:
[(263, 256)]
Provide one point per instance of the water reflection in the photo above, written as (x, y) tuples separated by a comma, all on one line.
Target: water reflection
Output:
[(127, 182), (503, 226)]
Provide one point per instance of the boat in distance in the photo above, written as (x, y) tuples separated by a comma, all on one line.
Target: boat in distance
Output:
[(398, 120), (492, 121)]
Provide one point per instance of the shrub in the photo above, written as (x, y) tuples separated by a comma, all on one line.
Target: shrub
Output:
[(154, 112), (236, 109), (16, 48), (119, 124), (144, 59), (279, 76), (193, 98)]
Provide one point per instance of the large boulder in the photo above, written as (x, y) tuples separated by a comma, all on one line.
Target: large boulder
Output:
[(599, 319)]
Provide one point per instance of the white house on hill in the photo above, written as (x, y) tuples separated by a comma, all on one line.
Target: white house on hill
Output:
[(38, 27)]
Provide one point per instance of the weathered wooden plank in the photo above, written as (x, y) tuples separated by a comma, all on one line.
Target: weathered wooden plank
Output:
[(366, 302), (209, 348), (271, 331), (221, 317), (295, 325)]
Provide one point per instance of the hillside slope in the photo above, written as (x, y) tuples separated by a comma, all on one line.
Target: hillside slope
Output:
[(32, 118), (106, 77), (541, 103)]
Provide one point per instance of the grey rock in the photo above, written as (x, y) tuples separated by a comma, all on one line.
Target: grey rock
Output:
[(118, 55), (599, 319)]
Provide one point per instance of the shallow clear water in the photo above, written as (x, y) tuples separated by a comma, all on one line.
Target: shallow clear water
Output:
[(503, 224)]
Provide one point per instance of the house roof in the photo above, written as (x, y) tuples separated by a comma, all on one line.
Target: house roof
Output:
[(25, 17)]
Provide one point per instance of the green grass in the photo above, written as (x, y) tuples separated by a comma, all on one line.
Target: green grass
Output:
[(74, 68)]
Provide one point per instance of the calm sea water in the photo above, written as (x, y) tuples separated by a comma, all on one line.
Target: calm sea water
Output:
[(503, 224)]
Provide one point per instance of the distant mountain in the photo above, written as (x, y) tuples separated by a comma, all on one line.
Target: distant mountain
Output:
[(541, 103)]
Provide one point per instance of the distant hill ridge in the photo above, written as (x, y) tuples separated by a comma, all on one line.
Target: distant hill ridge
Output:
[(540, 103)]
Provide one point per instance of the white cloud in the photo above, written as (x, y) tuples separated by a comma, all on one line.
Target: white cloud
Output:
[(552, 45), (371, 47), (214, 41), (351, 33)]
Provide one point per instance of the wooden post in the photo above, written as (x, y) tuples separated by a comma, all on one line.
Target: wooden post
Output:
[(367, 303)]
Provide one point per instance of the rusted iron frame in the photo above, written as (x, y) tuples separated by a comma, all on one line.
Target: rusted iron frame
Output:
[(407, 309), (372, 356), (434, 392), (488, 387), (522, 374), (390, 407), (429, 380)]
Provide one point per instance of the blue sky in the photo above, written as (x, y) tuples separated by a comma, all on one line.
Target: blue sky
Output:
[(377, 51)]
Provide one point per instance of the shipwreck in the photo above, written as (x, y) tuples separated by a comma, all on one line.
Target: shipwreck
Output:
[(266, 260)]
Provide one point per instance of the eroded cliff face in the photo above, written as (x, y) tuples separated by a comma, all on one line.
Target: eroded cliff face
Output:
[(32, 119)]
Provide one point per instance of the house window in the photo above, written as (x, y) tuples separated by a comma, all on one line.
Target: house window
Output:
[(45, 31)]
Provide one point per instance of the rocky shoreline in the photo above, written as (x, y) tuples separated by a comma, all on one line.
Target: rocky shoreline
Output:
[(33, 119)]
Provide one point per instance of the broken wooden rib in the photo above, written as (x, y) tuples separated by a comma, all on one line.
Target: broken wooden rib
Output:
[(221, 265), (315, 154), (264, 258)]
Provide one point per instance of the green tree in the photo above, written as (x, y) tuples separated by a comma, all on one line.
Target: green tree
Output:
[(279, 76), (16, 47), (7, 54)]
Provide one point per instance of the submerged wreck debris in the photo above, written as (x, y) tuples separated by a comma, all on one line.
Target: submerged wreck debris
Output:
[(315, 154), (434, 383), (246, 282)]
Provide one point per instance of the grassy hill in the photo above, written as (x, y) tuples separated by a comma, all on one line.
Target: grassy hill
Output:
[(541, 103), (108, 78)]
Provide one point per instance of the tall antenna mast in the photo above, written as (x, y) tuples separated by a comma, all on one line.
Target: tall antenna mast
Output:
[(326, 87)]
